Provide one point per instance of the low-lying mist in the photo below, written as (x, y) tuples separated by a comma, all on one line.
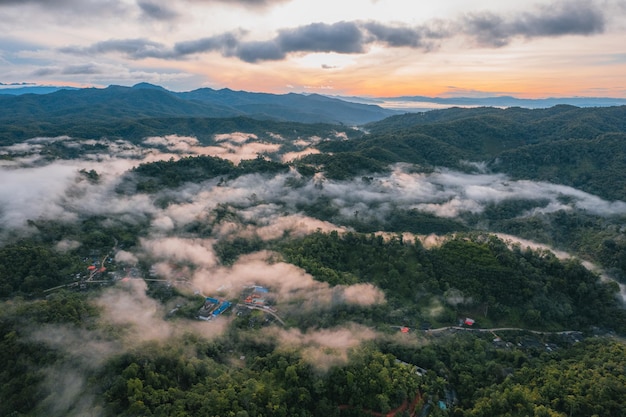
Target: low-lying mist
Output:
[(261, 206), (185, 226)]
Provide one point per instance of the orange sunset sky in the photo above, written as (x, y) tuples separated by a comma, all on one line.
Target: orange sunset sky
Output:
[(378, 48)]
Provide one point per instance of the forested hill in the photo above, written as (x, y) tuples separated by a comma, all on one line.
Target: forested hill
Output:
[(136, 130), (580, 147), (550, 123)]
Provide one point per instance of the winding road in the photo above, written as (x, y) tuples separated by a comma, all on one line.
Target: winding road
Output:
[(498, 329)]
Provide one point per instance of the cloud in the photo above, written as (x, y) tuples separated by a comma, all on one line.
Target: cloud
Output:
[(582, 17), (87, 8), (562, 18), (66, 380), (23, 147), (58, 191), (327, 347), (88, 348), (226, 43), (363, 294), (153, 10), (33, 192), (236, 153), (259, 51), (137, 48), (485, 28), (341, 37), (267, 206), (274, 226), (197, 251), (258, 4), (125, 257), (17, 84), (397, 36), (66, 245), (454, 297), (291, 156), (295, 291), (175, 143), (98, 72), (235, 137), (127, 305), (81, 69)]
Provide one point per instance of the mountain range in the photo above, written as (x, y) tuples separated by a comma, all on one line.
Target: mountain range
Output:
[(424, 103), (314, 108), (147, 100)]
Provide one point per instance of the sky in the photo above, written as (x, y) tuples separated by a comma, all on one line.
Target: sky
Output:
[(377, 48)]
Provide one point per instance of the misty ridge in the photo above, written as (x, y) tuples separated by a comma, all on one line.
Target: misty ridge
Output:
[(513, 217), (37, 188)]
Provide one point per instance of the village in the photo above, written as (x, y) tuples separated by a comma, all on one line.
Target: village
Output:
[(102, 270)]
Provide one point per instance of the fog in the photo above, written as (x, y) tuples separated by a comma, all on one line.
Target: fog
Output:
[(295, 290), (326, 347), (35, 189), (65, 381), (143, 319), (253, 206), (258, 206)]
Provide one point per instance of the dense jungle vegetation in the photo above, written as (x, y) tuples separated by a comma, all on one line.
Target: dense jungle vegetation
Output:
[(246, 374), (545, 333)]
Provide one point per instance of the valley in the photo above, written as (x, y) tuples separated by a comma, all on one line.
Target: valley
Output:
[(495, 237)]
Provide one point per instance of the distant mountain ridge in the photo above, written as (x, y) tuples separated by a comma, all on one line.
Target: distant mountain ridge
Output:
[(147, 100), (295, 107), (423, 103), (33, 89)]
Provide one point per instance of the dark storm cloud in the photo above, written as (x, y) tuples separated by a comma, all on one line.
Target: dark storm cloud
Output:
[(564, 18), (156, 11)]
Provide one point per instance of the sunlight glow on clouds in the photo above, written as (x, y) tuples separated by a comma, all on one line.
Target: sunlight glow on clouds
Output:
[(364, 47)]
